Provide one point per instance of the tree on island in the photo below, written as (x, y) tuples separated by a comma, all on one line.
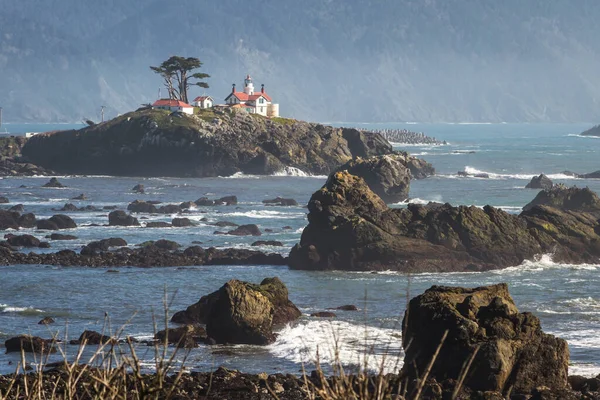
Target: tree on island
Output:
[(178, 75)]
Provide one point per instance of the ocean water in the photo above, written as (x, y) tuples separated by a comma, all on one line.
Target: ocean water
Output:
[(565, 297)]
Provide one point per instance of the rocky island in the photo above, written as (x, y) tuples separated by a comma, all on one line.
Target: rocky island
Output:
[(351, 228), (594, 131), (152, 142)]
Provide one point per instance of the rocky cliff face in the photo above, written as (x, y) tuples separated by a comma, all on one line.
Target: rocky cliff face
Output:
[(351, 228), (213, 143)]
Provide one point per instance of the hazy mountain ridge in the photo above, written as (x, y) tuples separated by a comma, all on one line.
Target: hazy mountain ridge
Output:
[(459, 60)]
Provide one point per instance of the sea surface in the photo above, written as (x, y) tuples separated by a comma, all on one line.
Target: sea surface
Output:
[(131, 302)]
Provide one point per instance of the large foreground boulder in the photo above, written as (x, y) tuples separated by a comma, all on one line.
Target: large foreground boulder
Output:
[(29, 344), (567, 198), (351, 228), (241, 312), (540, 182), (513, 354)]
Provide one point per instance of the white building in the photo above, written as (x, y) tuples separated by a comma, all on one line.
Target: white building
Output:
[(253, 102), (173, 105), (203, 102)]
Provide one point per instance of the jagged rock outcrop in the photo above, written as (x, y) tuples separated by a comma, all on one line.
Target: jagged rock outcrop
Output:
[(594, 131), (216, 143), (273, 289), (513, 354), (567, 198), (351, 228), (540, 182), (389, 175)]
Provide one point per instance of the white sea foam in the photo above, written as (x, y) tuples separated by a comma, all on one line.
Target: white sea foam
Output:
[(341, 341), (5, 308), (264, 214), (492, 175), (588, 370), (416, 200), (542, 262)]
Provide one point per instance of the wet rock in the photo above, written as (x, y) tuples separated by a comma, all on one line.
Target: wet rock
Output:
[(167, 244), (53, 183), (187, 336), (186, 205), (139, 188), (18, 208), (283, 310), (102, 245), (194, 251), (513, 352), (22, 240), (140, 206), (286, 228), (120, 218), (540, 182), (182, 222), (93, 338), (245, 230), (226, 200), (4, 200), (348, 307), (80, 197), (351, 228), (591, 175), (204, 202), (29, 344), (169, 209), (567, 198), (58, 236), (27, 220), (324, 314), (9, 219), (56, 222), (267, 243), (46, 321), (280, 201), (69, 207), (223, 224), (158, 224)]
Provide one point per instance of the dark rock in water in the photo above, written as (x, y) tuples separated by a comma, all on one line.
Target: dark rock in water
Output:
[(58, 236), (182, 222), (323, 314), (9, 220), (69, 207), (570, 173), (245, 230), (539, 182), (80, 197), (109, 208), (267, 243), (18, 208), (350, 228), (187, 336), (169, 209), (513, 352), (287, 228), (594, 131), (158, 224), (102, 245), (223, 224), (204, 201), (22, 240), (280, 201), (387, 176), (591, 175), (53, 183), (167, 244), (227, 200), (348, 307), (29, 344), (139, 188), (4, 200), (565, 198), (140, 206), (583, 384), (208, 308), (186, 205), (93, 338), (27, 220), (56, 222), (120, 218), (46, 321)]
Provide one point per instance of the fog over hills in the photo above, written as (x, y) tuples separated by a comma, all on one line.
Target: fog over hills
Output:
[(323, 60)]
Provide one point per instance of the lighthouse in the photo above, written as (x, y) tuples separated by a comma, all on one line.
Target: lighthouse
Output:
[(248, 86)]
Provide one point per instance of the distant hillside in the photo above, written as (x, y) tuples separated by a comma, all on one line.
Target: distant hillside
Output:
[(374, 60)]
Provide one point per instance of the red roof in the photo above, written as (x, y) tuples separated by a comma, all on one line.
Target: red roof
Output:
[(202, 98), (241, 96), (170, 103)]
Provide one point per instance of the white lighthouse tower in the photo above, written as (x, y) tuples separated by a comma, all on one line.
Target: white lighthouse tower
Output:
[(248, 86)]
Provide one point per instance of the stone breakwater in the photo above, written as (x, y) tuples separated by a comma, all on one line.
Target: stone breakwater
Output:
[(407, 137)]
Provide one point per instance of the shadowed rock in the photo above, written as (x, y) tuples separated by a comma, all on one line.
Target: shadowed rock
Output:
[(120, 218), (567, 198), (56, 222), (280, 201), (29, 344), (540, 182), (513, 352), (53, 183), (187, 336), (246, 230)]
